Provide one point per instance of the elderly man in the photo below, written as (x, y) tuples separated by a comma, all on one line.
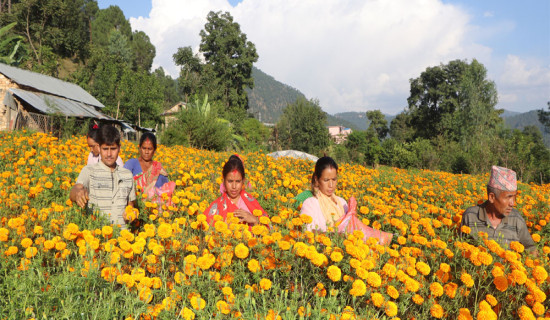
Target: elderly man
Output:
[(497, 216), (106, 185)]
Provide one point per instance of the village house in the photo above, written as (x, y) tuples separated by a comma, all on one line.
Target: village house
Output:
[(29, 100), (339, 133)]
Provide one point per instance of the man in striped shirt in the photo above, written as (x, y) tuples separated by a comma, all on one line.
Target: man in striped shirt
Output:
[(106, 186), (497, 216)]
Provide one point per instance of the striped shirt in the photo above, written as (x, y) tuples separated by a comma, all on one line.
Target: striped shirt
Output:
[(511, 228), (110, 191)]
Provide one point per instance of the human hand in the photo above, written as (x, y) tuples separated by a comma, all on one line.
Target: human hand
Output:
[(82, 197), (246, 217)]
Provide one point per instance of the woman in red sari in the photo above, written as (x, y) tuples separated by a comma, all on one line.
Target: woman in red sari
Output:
[(234, 198)]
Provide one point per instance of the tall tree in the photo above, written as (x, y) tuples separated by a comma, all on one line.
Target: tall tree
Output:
[(107, 20), (143, 51), (229, 58), (190, 71), (452, 100), (303, 127), (378, 123)]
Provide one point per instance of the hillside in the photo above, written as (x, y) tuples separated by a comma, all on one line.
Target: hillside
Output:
[(359, 119), (522, 120), (269, 97)]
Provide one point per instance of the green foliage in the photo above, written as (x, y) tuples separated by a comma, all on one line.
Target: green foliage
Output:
[(378, 123), (10, 45), (107, 20), (229, 58), (198, 126), (544, 117), (357, 146), (143, 51), (401, 128), (190, 77), (169, 88), (255, 134), (303, 127)]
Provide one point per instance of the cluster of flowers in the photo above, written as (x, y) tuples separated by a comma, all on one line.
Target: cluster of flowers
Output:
[(182, 267)]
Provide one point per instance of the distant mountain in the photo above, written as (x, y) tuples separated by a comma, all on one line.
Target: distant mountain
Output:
[(359, 119), (508, 113), (269, 97), (522, 120)]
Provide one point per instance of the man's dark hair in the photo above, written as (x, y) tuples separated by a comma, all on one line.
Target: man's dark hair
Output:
[(108, 134)]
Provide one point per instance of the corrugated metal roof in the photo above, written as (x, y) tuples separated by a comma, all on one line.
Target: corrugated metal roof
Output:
[(52, 104), (49, 84)]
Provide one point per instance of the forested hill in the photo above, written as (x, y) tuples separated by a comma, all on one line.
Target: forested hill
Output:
[(269, 96), (359, 119), (522, 120)]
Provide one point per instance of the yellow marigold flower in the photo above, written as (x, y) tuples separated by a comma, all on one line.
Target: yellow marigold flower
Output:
[(145, 294), (377, 299), (334, 273), (38, 230), (358, 288), (284, 245), (254, 265), (536, 237), (519, 276), (436, 289), (374, 280), (48, 170), (437, 311), (107, 231), (48, 185), (223, 307), (265, 284), (465, 229), (198, 303), (497, 271), (336, 256), (26, 242), (164, 230), (391, 309), (467, 279), (31, 252), (241, 251)]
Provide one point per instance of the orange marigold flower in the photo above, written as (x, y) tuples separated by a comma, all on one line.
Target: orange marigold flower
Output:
[(418, 299), (501, 283), (444, 267), (517, 247), (392, 292), (519, 276), (467, 279), (437, 311), (450, 289), (336, 256), (164, 230), (31, 252), (538, 308), (464, 314), (539, 273), (423, 268), (525, 313), (491, 300)]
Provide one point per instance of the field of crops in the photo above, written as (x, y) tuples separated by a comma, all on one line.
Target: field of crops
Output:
[(59, 262)]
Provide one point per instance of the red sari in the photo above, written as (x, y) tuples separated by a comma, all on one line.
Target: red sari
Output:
[(224, 205)]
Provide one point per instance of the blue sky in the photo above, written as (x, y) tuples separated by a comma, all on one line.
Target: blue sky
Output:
[(357, 55)]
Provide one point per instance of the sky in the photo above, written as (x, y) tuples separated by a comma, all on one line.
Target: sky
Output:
[(359, 55)]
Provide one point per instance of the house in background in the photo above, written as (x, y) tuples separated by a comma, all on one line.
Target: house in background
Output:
[(30, 100), (339, 133), (171, 114)]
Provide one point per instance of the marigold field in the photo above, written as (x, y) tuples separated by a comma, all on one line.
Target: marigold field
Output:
[(58, 261)]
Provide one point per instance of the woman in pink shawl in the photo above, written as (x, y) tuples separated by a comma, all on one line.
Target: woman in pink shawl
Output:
[(149, 175)]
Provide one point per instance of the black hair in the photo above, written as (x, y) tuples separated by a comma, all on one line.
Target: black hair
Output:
[(108, 135), (148, 136), (93, 132), (322, 164), (233, 163)]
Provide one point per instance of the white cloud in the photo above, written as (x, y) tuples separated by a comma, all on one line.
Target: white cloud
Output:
[(350, 54), (488, 14)]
